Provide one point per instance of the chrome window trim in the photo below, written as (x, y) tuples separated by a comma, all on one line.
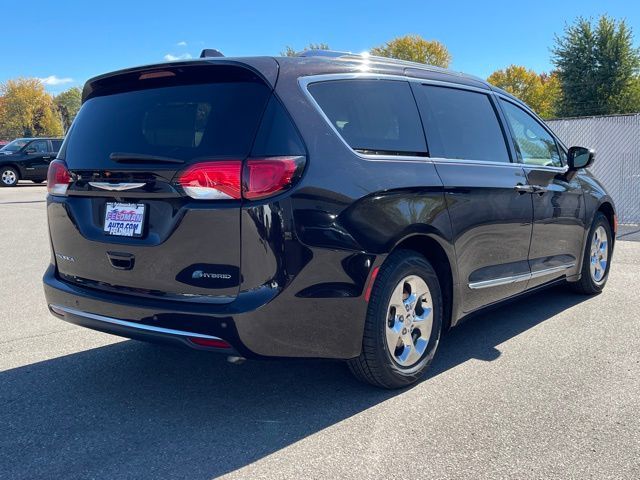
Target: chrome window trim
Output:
[(474, 162), (134, 325), (519, 278), (304, 83)]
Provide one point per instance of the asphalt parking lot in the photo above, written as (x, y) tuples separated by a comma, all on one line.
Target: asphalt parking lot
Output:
[(548, 387)]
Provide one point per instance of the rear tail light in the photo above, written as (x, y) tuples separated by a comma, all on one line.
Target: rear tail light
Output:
[(227, 180), (212, 180), (264, 177), (58, 178)]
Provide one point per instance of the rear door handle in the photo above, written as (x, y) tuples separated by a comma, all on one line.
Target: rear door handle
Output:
[(520, 188), (121, 261), (539, 190)]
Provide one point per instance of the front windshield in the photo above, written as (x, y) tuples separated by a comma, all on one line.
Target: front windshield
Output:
[(15, 145)]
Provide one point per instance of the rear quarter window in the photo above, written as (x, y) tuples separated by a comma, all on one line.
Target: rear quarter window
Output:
[(372, 116)]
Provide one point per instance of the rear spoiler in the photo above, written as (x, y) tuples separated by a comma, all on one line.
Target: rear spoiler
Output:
[(264, 67)]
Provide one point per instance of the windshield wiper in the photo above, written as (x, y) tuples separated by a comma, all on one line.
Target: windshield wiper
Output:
[(122, 157)]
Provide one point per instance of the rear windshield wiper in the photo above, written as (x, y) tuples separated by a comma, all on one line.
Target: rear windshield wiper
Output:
[(122, 157)]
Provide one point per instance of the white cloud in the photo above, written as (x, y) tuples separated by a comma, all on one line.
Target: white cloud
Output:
[(171, 58), (182, 44), (52, 80)]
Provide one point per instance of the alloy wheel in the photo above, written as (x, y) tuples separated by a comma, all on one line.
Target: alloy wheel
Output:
[(409, 321), (9, 177), (599, 255)]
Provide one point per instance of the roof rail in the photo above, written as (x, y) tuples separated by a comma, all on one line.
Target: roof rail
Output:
[(322, 53), (210, 52)]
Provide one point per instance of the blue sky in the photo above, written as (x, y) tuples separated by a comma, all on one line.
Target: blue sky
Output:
[(70, 41)]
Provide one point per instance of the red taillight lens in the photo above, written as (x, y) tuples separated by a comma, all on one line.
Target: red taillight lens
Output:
[(213, 180), (264, 177), (221, 180), (58, 178)]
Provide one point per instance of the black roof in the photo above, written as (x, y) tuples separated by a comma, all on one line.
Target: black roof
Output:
[(318, 62)]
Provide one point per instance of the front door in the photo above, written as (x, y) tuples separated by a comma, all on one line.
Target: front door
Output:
[(558, 204), (38, 154), (487, 194)]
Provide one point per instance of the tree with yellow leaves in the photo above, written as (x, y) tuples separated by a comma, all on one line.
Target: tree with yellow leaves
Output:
[(415, 49), (541, 92), (27, 110)]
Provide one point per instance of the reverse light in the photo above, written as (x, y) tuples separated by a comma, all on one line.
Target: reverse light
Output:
[(58, 178), (227, 180)]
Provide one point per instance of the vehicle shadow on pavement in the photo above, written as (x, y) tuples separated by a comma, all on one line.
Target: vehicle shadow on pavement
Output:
[(132, 410)]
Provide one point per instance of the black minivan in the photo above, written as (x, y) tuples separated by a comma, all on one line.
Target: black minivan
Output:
[(332, 206)]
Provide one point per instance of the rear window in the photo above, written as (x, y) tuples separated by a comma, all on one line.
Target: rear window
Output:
[(373, 116), (461, 124), (186, 122)]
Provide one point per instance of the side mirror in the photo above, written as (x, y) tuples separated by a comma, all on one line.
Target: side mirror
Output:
[(580, 157)]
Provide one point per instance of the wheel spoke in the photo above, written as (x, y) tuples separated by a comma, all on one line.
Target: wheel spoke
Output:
[(409, 354), (410, 302), (393, 334)]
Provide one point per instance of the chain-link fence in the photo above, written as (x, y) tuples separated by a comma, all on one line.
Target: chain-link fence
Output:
[(616, 140)]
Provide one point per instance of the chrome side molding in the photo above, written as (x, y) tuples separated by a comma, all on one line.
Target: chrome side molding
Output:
[(519, 278)]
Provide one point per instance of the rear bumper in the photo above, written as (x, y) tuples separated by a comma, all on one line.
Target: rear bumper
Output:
[(266, 322), (135, 330)]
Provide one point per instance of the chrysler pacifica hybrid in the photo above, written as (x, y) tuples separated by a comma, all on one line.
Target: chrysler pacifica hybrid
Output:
[(330, 206)]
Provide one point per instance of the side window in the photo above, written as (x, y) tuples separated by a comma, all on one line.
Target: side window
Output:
[(535, 146), (55, 145), (373, 116), (461, 124), (40, 146)]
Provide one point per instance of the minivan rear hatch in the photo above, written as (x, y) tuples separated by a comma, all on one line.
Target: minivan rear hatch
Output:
[(126, 224)]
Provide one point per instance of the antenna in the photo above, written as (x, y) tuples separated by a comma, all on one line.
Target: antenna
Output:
[(210, 52)]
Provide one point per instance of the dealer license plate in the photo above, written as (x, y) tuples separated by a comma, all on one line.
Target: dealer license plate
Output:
[(124, 219)]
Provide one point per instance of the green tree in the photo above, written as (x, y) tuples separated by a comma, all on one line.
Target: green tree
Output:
[(597, 67), (416, 49), (540, 91), (27, 110), (291, 52), (68, 104)]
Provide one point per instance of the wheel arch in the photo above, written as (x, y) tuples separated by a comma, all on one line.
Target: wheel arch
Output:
[(607, 209), (434, 249)]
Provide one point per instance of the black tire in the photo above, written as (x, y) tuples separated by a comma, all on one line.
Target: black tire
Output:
[(375, 364), (39, 180), (587, 285), (6, 173)]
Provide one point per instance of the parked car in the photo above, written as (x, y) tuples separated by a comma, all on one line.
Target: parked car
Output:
[(27, 159), (342, 207)]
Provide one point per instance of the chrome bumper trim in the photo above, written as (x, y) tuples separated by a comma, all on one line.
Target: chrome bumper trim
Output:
[(133, 325)]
